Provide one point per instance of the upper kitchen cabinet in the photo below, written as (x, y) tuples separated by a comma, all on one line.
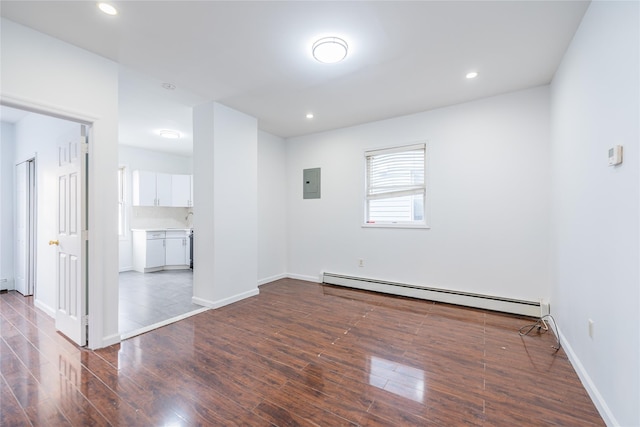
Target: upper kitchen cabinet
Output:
[(162, 189), (151, 188), (182, 190)]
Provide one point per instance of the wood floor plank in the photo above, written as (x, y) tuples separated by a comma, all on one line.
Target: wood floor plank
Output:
[(297, 354), (11, 412)]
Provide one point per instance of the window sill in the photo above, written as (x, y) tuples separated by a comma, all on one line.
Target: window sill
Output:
[(391, 225)]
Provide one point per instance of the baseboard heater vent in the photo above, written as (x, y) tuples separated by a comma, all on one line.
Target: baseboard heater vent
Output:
[(506, 305)]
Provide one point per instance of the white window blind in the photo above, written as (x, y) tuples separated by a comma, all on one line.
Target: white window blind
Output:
[(395, 185)]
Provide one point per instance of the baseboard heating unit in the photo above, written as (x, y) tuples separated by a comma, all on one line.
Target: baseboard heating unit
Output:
[(506, 305)]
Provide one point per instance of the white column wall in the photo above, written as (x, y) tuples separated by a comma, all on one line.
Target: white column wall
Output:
[(7, 168), (596, 215), (272, 204), (225, 227)]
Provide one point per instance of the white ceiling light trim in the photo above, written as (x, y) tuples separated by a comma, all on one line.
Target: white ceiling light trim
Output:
[(172, 134), (108, 9), (330, 50)]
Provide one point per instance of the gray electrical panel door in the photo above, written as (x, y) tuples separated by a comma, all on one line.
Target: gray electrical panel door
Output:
[(311, 183)]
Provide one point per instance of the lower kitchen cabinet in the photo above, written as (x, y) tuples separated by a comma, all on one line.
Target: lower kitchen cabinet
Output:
[(176, 248), (155, 250)]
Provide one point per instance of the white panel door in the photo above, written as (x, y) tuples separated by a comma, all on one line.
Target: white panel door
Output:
[(24, 263), (71, 243), (22, 236)]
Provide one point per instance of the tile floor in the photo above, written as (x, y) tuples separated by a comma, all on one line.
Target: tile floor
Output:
[(148, 298)]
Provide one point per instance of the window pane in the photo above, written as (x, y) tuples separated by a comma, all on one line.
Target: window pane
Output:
[(395, 171), (397, 209), (396, 186)]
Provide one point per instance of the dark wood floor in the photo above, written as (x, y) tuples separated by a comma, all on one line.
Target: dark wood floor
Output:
[(297, 354)]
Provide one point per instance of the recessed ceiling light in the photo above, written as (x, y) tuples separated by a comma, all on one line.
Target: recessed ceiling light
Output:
[(309, 115), (329, 50), (166, 133), (169, 86), (108, 9), (472, 75)]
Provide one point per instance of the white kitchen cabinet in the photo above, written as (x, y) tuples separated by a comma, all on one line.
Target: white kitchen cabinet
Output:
[(151, 188), (155, 250), (163, 189), (181, 190), (176, 249), (148, 250), (144, 188), (155, 254)]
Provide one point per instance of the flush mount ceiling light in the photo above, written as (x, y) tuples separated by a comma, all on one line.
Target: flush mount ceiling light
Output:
[(329, 50), (108, 9), (472, 75), (172, 134), (309, 116)]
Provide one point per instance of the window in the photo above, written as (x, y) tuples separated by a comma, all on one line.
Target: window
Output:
[(121, 204), (396, 186)]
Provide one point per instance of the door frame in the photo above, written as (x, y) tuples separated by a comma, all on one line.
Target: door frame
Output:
[(32, 223), (94, 289)]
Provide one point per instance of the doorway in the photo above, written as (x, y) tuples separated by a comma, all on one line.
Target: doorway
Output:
[(25, 231), (40, 235)]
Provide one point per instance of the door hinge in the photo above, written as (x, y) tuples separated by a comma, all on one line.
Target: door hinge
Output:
[(84, 147), (84, 234), (85, 320)]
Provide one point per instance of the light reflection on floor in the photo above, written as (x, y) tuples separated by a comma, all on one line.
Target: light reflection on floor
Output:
[(396, 378)]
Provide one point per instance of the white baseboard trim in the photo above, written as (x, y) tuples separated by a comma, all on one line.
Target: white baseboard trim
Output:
[(44, 307), (225, 301), (109, 340), (141, 331), (596, 397), (9, 285), (314, 279), (122, 270), (272, 279)]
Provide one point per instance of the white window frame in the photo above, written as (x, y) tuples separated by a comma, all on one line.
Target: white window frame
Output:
[(418, 188)]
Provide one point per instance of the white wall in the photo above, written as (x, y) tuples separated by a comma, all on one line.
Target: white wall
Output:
[(134, 158), (225, 226), (595, 104), (7, 164), (272, 203), (39, 136), (488, 198), (48, 75), (155, 161)]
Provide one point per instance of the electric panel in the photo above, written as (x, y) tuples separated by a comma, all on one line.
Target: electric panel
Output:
[(311, 183)]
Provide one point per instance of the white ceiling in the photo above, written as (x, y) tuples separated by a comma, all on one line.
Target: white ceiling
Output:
[(255, 57)]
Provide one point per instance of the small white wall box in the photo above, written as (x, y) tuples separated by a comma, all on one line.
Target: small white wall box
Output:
[(615, 155), (311, 183)]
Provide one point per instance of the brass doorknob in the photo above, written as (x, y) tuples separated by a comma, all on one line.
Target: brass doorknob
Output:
[(53, 242)]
